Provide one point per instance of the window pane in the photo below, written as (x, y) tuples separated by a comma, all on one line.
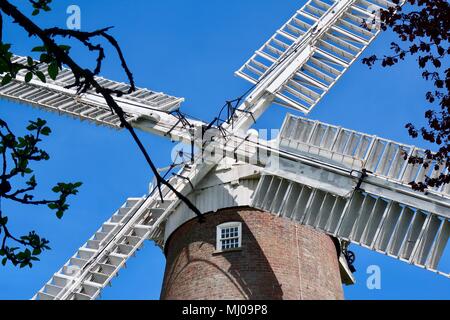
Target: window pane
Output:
[(229, 238)]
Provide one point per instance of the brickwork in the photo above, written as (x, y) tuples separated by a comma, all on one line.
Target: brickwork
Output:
[(279, 259)]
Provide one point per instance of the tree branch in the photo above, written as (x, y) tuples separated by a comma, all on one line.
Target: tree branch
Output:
[(89, 81)]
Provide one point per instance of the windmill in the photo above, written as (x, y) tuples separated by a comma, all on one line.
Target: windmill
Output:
[(314, 183)]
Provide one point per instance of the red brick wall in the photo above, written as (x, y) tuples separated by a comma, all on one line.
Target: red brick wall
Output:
[(279, 260)]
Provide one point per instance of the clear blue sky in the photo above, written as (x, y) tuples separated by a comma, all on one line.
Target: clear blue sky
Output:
[(191, 49)]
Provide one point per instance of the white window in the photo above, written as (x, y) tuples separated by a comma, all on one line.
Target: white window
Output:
[(229, 236)]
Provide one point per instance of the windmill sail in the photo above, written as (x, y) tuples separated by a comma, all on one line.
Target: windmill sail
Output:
[(54, 96), (391, 222), (380, 224), (101, 258), (308, 55), (103, 266), (355, 150), (317, 180)]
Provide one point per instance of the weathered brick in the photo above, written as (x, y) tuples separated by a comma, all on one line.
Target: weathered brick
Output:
[(279, 259)]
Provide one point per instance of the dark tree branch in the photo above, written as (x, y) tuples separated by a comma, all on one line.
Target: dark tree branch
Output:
[(23, 151), (86, 80), (426, 30)]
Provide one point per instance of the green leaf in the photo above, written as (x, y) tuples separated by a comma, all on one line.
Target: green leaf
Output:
[(45, 58), (30, 61), (36, 251), (4, 261), (6, 79), (41, 76), (40, 122), (5, 47), (32, 126), (46, 131), (59, 214), (21, 255), (53, 70), (28, 77), (32, 181), (35, 12), (53, 206), (39, 49), (3, 67)]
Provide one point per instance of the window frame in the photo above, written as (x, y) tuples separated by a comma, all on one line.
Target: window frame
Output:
[(219, 239)]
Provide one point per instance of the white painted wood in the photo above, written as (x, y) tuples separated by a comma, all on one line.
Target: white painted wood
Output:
[(303, 60)]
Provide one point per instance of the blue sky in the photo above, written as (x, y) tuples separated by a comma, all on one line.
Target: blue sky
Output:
[(191, 49)]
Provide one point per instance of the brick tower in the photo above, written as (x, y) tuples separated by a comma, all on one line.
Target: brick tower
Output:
[(247, 254)]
